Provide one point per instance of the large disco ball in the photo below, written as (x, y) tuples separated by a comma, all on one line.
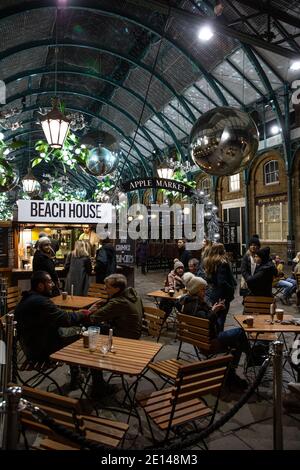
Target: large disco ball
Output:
[(223, 141), (101, 161)]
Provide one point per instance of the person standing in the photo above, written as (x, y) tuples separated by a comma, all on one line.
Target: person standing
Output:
[(43, 260), (220, 279), (106, 261), (142, 252), (260, 283), (248, 264), (184, 255), (78, 267), (90, 236)]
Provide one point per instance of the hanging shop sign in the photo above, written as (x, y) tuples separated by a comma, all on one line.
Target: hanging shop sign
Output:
[(64, 212), (158, 183)]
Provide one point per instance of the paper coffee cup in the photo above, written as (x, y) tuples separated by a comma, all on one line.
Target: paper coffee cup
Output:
[(249, 321), (279, 313)]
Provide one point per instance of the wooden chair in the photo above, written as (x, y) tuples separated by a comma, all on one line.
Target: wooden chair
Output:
[(97, 290), (191, 330), (183, 402), (66, 411), (13, 297), (153, 321), (259, 306)]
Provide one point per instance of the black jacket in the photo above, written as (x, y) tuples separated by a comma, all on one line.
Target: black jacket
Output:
[(191, 305), (222, 284), (38, 320), (184, 257), (106, 262), (260, 284), (42, 262)]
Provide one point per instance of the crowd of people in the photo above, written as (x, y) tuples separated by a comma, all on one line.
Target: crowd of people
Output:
[(209, 288)]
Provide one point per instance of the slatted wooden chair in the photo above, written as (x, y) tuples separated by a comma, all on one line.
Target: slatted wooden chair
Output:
[(13, 298), (153, 321), (66, 411), (183, 403), (191, 330), (97, 290), (259, 306)]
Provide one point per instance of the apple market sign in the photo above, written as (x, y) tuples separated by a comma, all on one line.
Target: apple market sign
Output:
[(64, 212), (158, 183)]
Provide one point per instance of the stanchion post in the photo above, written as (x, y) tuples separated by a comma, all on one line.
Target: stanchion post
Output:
[(11, 427), (277, 395)]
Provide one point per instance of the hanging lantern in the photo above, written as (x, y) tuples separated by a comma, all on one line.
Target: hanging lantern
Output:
[(55, 126), (165, 171), (30, 184)]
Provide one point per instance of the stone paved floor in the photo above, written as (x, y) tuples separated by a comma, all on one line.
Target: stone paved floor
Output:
[(250, 428)]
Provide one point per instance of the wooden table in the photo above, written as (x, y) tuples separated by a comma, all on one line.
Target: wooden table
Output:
[(77, 302), (160, 295), (262, 324), (129, 356)]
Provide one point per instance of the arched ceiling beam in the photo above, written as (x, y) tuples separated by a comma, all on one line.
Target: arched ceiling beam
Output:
[(244, 77), (205, 95), (106, 50), (100, 118), (84, 73), (115, 12), (89, 96)]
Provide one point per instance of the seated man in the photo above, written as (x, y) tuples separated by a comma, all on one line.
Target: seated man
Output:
[(123, 310), (39, 321), (288, 284), (234, 339)]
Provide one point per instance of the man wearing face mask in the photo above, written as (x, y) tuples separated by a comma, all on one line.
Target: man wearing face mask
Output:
[(43, 261)]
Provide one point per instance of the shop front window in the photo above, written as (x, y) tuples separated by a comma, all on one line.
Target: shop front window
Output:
[(272, 221), (271, 172)]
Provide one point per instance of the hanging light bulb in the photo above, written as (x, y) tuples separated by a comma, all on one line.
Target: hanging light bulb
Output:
[(30, 184), (55, 126), (165, 171)]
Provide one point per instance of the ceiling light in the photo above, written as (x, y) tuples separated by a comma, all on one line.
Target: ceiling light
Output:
[(275, 129), (164, 171), (295, 65), (205, 33), (30, 184), (55, 126)]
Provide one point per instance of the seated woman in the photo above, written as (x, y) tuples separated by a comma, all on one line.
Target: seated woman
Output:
[(288, 284), (173, 281), (234, 339)]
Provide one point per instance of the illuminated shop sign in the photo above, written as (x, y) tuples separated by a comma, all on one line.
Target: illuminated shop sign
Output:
[(64, 211)]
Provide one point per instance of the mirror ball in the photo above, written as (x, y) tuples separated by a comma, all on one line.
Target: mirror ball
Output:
[(223, 141)]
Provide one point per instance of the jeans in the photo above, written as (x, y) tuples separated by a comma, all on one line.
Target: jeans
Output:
[(235, 340), (289, 286)]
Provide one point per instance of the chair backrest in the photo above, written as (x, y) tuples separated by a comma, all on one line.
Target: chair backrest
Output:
[(200, 378), (65, 411), (13, 297), (97, 290), (195, 331), (297, 276), (153, 320), (257, 305)]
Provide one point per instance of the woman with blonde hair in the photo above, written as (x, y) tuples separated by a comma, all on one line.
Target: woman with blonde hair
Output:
[(220, 279), (78, 267)]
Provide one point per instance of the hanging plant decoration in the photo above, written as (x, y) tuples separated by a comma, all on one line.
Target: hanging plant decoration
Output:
[(103, 188), (6, 209), (70, 155), (59, 189), (8, 176)]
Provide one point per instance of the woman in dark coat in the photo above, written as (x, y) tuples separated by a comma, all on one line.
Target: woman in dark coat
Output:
[(220, 279), (78, 266), (260, 283), (43, 260), (106, 261), (142, 252)]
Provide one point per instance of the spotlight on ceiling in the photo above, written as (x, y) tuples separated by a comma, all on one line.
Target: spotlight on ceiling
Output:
[(295, 65), (205, 33), (275, 129)]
